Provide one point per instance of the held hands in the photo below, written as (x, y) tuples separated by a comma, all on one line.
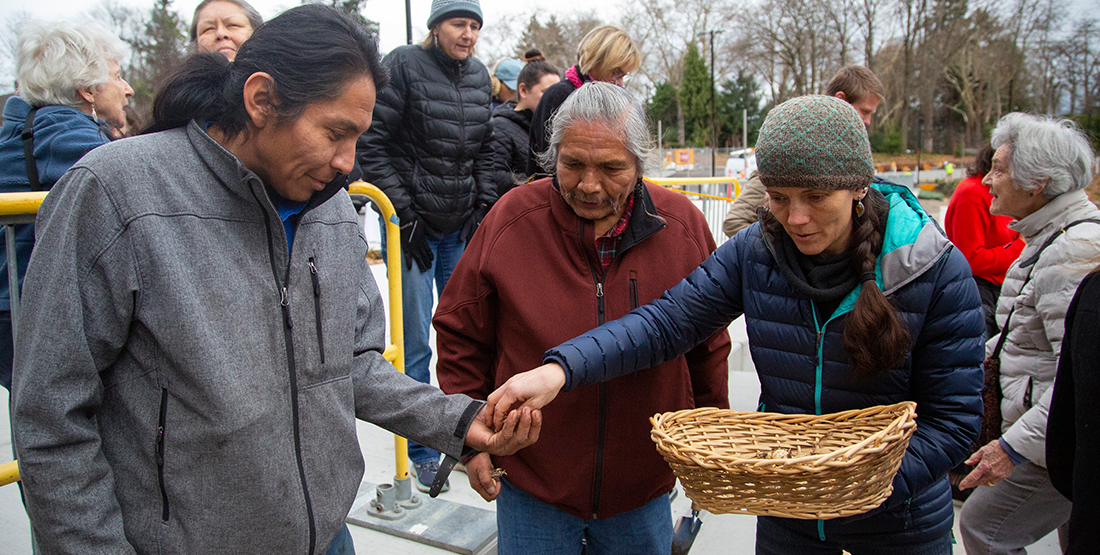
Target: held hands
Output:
[(479, 469), (533, 389), (520, 429), (993, 465)]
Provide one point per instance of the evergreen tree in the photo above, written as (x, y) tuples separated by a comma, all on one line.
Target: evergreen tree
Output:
[(735, 95), (695, 91), (662, 107)]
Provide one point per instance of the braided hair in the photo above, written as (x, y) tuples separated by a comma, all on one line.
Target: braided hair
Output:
[(874, 336)]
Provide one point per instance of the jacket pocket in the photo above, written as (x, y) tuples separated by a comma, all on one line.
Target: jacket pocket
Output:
[(160, 453), (317, 307), (633, 290)]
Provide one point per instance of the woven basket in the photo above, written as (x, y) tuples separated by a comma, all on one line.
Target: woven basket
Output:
[(786, 465)]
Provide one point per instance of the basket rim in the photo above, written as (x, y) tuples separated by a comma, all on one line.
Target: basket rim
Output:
[(902, 422)]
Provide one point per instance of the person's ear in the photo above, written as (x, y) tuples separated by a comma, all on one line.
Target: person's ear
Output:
[(1038, 190), (259, 99), (521, 91), (841, 95), (86, 94)]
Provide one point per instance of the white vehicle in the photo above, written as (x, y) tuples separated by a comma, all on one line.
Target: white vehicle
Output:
[(741, 163)]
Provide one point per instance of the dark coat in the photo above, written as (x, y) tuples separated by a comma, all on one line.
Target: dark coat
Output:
[(1073, 430), (511, 144), (804, 369), (552, 98), (429, 146), (594, 455)]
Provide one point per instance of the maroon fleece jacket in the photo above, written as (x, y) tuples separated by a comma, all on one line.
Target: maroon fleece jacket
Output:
[(529, 280)]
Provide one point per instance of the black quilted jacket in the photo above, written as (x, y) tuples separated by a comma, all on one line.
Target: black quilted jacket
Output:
[(511, 146), (429, 146)]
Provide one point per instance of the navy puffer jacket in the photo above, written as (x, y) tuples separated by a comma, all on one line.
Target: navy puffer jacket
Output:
[(428, 147), (926, 278)]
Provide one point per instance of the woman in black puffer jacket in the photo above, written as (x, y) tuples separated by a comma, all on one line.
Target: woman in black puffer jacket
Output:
[(429, 150), (512, 121)]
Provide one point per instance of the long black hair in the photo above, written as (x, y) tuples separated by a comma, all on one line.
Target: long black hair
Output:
[(311, 52)]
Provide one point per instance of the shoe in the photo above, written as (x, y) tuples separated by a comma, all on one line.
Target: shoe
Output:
[(425, 474)]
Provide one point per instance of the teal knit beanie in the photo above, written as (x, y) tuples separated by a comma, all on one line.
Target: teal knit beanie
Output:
[(446, 9), (815, 141)]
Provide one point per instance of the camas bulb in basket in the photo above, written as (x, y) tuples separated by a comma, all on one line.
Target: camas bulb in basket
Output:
[(786, 465)]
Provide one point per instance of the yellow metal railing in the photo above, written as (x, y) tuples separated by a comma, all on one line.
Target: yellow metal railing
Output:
[(396, 349), (671, 183), (14, 205)]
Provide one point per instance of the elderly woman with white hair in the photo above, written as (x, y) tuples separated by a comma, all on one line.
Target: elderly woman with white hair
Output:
[(70, 90), (1040, 170)]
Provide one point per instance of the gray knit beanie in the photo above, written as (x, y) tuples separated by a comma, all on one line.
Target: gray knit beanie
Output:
[(815, 141), (446, 9)]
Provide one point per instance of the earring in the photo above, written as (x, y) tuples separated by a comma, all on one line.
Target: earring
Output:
[(859, 207), (95, 117)]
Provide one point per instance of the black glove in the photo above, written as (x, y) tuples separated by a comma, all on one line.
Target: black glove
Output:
[(472, 224), (414, 242)]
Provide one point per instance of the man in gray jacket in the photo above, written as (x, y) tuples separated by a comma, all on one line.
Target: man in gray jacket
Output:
[(201, 329)]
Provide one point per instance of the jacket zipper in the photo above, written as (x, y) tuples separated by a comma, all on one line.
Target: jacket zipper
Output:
[(284, 303), (160, 453), (601, 419), (633, 293), (317, 306)]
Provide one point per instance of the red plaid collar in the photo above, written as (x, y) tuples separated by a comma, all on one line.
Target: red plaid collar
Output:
[(624, 221)]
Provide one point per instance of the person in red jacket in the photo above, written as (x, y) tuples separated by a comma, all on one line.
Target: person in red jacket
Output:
[(556, 258), (984, 239)]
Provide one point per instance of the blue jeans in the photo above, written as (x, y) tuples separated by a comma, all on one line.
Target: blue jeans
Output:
[(417, 299), (527, 526), (341, 544), (773, 538)]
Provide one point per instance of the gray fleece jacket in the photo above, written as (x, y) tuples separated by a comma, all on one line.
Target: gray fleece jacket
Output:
[(181, 384)]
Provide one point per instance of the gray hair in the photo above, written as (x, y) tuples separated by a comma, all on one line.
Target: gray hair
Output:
[(54, 60), (254, 17), (1045, 148), (607, 104)]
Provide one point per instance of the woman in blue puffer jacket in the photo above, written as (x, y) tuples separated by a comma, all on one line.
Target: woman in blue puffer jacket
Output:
[(852, 296), (71, 92)]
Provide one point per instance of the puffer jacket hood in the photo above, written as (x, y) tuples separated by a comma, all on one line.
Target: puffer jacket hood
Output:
[(510, 146), (804, 369), (429, 146)]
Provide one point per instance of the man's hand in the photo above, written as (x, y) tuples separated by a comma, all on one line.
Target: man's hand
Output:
[(993, 465), (520, 429), (414, 243), (479, 469), (532, 389)]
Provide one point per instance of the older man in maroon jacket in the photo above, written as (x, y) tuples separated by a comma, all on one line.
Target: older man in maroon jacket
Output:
[(556, 258)]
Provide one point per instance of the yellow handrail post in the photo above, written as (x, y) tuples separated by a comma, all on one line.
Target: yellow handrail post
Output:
[(9, 473), (393, 275)]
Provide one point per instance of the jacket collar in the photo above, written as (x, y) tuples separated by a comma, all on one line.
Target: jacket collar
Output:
[(1055, 214), (644, 220), (240, 179), (451, 66)]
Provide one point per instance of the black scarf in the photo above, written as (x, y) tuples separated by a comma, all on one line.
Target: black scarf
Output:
[(823, 279)]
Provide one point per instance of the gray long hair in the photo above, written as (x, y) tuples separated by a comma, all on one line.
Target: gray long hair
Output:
[(606, 104), (1045, 148), (54, 60)]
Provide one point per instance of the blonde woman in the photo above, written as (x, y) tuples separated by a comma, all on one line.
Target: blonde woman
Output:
[(605, 54)]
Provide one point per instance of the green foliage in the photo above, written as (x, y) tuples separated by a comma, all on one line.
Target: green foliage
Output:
[(556, 39), (886, 139), (695, 94), (662, 107), (735, 95), (351, 8), (1090, 124)]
